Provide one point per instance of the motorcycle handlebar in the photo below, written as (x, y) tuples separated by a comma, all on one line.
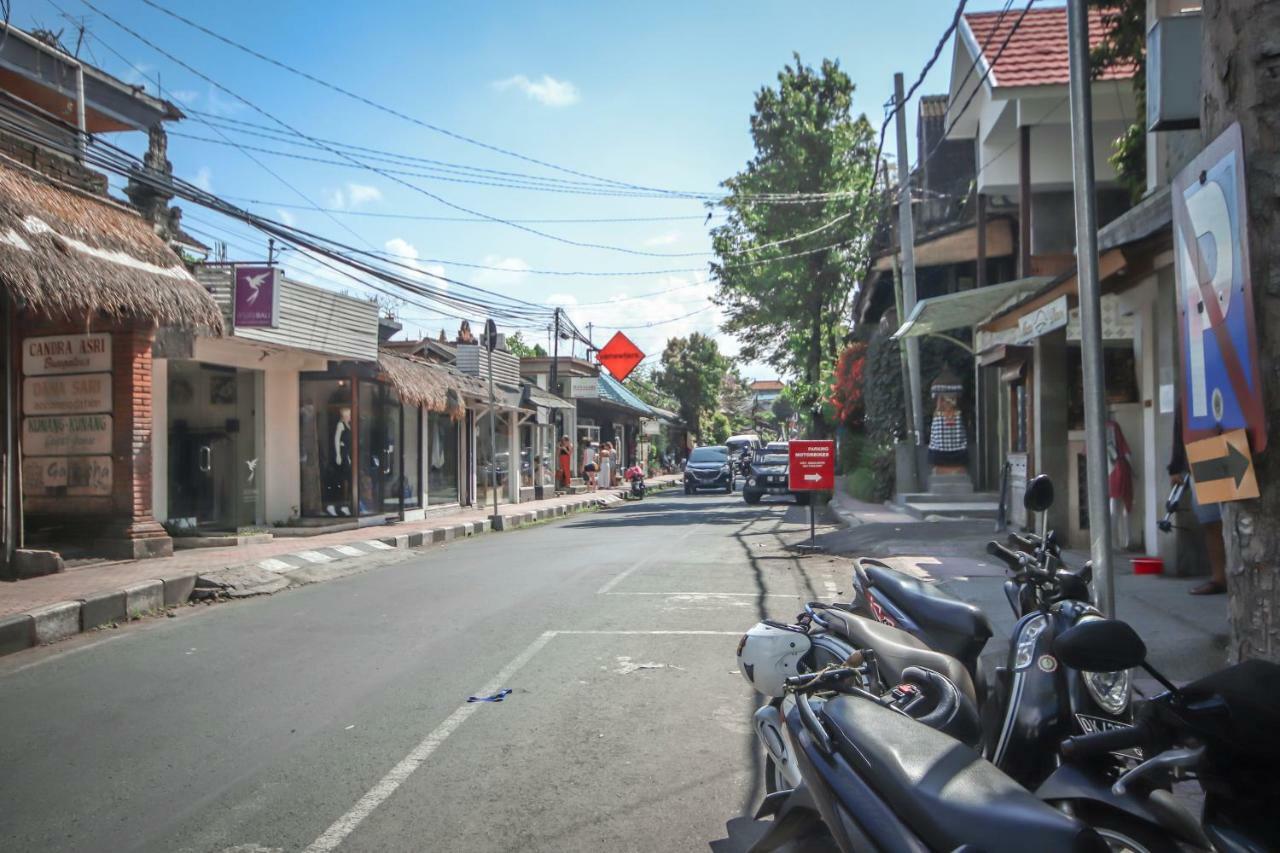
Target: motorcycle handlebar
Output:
[(1014, 559), (1101, 743), (1029, 543)]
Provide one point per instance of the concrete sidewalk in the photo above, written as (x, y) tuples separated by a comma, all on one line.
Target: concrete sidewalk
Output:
[(53, 607), (1186, 635)]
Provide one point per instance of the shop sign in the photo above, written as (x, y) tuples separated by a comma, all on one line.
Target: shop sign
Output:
[(72, 476), (812, 466), (542, 415), (66, 354), (257, 297), (620, 356), (1045, 319), (69, 435), (650, 427), (66, 395), (1222, 386), (584, 386)]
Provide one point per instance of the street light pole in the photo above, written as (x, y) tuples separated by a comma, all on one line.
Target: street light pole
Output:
[(491, 340), (907, 240), (1095, 403)]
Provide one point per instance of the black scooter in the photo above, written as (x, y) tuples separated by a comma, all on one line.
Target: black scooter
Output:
[(1219, 730), (637, 490), (876, 778)]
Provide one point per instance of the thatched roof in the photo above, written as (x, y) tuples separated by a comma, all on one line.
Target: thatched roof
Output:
[(65, 253), (434, 387)]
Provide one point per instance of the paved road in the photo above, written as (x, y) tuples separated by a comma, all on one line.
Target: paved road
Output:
[(334, 717)]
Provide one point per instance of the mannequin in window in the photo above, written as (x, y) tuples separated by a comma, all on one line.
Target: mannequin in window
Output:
[(948, 444), (1119, 482), (340, 450)]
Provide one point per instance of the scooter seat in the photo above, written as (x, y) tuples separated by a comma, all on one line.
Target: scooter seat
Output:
[(945, 792), (896, 649), (946, 619)]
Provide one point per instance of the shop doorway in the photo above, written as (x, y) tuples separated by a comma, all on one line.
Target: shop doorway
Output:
[(214, 479)]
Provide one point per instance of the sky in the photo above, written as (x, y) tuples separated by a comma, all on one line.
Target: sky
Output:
[(656, 94)]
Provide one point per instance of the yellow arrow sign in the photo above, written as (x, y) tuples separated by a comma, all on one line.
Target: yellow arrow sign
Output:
[(1222, 468)]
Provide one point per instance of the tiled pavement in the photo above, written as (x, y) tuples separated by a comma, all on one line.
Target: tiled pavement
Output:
[(53, 607)]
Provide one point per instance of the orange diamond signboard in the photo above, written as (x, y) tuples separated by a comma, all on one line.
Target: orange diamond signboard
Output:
[(620, 356)]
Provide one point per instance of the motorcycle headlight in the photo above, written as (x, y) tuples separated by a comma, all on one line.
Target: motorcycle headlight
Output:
[(1109, 689), (1026, 651)]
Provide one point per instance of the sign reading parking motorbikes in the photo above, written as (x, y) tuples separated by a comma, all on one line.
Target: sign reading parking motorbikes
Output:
[(813, 466)]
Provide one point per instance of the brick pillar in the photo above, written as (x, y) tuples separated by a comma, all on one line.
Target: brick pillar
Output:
[(134, 532)]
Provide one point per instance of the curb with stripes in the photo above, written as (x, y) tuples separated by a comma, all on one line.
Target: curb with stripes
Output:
[(53, 622)]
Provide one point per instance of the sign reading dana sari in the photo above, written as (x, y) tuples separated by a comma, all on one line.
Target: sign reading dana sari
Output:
[(812, 466), (1222, 389)]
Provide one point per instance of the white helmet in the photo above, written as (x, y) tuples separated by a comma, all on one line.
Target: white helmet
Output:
[(769, 653)]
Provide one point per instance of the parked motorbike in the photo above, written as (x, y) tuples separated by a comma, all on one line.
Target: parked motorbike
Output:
[(1034, 701), (634, 477), (1220, 730), (877, 777)]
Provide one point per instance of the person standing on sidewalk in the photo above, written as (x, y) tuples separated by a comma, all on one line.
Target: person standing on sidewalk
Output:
[(589, 466), (605, 479), (1209, 516), (562, 463)]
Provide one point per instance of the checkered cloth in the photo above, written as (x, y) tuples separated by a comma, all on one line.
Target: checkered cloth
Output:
[(947, 434)]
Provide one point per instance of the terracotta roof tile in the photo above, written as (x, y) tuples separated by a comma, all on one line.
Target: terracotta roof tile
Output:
[(1037, 53)]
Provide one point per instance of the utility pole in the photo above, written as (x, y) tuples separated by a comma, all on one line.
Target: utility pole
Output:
[(491, 341), (1095, 402), (555, 355), (271, 251), (907, 240)]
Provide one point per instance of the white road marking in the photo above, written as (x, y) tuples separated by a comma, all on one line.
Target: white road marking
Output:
[(831, 588), (378, 546), (271, 564), (396, 776), (716, 594), (348, 550), (638, 564), (345, 825), (313, 556)]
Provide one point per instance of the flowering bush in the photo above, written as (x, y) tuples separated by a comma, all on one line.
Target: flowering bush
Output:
[(847, 389)]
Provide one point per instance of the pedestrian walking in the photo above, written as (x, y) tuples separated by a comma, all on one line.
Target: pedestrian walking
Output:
[(605, 478), (590, 466)]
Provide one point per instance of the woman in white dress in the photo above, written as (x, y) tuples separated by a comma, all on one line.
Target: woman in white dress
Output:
[(605, 479)]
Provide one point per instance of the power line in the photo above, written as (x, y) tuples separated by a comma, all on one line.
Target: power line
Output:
[(423, 218)]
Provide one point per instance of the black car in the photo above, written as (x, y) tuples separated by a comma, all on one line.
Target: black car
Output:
[(708, 468), (768, 474)]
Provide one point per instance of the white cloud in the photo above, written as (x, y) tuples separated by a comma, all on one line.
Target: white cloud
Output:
[(353, 196), (183, 96), (663, 239), (286, 217), (508, 273), (408, 254), (221, 105), (547, 91), (204, 179)]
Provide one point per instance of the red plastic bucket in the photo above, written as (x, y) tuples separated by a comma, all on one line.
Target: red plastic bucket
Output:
[(1148, 566)]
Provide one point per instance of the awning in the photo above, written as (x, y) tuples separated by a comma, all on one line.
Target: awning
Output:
[(536, 396), (954, 245), (434, 387), (613, 391), (69, 254), (963, 309)]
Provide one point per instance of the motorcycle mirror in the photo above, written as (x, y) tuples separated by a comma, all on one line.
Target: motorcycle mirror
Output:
[(1039, 494), (1100, 645)]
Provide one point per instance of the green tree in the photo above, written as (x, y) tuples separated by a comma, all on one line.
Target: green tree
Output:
[(736, 401), (720, 428), (782, 412), (784, 295), (518, 348), (691, 373), (643, 383), (1125, 43)]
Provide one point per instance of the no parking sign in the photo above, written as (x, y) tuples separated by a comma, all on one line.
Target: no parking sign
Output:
[(1221, 387)]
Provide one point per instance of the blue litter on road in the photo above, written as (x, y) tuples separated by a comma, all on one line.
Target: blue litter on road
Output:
[(496, 697)]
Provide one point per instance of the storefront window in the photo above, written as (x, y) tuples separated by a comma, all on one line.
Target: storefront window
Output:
[(327, 445), (410, 486), (546, 458), (492, 461), (379, 449), (527, 454), (442, 459), (214, 481)]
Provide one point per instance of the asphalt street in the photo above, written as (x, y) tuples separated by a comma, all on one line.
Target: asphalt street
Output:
[(335, 716)]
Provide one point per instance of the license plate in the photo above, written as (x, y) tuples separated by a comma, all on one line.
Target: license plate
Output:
[(1092, 725), (777, 490)]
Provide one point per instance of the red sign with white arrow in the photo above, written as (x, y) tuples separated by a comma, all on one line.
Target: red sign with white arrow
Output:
[(813, 466), (620, 356)]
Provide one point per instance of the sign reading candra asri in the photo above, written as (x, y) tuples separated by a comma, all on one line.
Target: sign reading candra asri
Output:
[(66, 354)]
